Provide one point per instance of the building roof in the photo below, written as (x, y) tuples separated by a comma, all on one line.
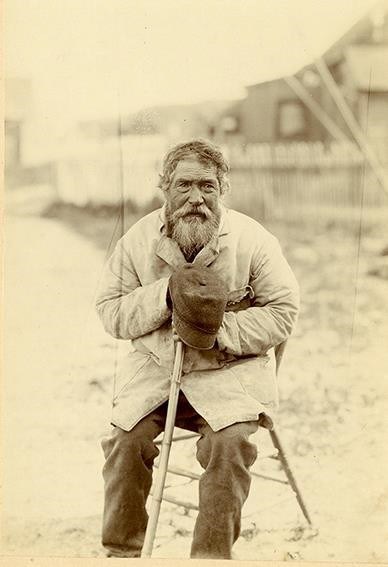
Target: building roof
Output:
[(372, 39), (368, 66)]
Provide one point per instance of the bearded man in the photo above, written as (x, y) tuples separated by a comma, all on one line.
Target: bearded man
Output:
[(228, 384)]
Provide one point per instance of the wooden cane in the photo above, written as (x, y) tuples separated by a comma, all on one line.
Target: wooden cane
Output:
[(164, 452)]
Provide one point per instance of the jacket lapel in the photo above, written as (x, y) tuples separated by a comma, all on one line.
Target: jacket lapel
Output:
[(169, 251), (210, 252)]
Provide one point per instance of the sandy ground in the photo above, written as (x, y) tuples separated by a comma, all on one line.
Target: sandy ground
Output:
[(57, 389)]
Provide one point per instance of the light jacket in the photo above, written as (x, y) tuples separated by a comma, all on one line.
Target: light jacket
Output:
[(235, 381)]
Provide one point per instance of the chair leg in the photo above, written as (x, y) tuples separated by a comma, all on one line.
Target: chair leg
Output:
[(291, 479)]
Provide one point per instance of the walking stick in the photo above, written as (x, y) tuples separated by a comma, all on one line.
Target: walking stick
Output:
[(165, 452)]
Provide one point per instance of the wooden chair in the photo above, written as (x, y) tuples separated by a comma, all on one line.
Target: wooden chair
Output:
[(279, 455)]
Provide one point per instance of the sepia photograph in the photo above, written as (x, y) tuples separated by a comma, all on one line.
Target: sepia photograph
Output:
[(195, 281)]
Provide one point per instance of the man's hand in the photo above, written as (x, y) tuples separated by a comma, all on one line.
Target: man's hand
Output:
[(198, 297), (175, 336)]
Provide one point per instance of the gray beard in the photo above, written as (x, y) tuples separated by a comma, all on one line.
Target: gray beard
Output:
[(191, 232)]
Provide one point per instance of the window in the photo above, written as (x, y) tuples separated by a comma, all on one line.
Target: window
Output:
[(292, 122)]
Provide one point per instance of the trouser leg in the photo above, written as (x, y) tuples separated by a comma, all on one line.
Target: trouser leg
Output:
[(226, 456), (128, 477)]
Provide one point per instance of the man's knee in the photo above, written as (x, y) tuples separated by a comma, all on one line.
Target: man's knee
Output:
[(127, 445), (234, 442), (228, 445)]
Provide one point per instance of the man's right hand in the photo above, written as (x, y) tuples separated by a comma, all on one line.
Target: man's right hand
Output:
[(198, 297)]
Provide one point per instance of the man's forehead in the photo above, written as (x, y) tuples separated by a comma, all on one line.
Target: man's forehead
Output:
[(192, 166)]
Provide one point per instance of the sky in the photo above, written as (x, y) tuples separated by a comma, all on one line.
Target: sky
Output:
[(95, 58)]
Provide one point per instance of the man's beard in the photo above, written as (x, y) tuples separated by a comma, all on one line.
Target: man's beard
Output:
[(192, 227)]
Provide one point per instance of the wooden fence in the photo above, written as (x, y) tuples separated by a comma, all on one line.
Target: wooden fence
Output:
[(106, 172), (268, 180), (279, 181)]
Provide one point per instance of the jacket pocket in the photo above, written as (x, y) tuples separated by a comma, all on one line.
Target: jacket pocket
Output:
[(257, 378), (128, 369)]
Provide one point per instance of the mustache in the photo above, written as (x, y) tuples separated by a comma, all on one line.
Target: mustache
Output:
[(187, 210)]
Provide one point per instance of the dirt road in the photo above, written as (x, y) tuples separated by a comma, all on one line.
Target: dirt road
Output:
[(56, 407)]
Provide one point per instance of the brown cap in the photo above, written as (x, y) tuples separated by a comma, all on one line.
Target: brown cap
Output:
[(199, 299)]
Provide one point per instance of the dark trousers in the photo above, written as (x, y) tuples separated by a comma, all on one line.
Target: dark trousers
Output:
[(226, 457)]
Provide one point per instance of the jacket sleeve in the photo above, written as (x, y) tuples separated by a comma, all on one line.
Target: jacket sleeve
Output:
[(275, 305), (127, 309)]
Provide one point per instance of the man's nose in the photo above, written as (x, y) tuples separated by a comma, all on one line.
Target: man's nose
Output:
[(196, 196)]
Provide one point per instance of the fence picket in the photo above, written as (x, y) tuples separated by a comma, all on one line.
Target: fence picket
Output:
[(287, 179)]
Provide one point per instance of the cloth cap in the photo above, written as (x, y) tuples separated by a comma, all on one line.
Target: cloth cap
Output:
[(199, 299)]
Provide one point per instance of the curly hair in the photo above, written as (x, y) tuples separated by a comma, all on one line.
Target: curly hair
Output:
[(206, 152)]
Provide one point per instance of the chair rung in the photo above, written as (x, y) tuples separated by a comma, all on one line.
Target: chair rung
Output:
[(194, 476), (181, 472), (267, 477), (269, 456), (182, 503), (179, 438)]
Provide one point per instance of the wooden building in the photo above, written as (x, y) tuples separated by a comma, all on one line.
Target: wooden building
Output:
[(272, 112)]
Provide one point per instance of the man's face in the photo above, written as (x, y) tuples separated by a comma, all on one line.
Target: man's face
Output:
[(193, 185), (193, 204)]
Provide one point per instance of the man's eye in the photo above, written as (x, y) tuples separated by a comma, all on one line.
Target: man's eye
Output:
[(208, 187)]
